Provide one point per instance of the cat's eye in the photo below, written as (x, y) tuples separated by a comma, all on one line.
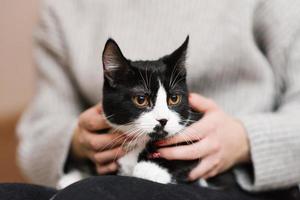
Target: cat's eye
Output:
[(141, 101), (174, 99)]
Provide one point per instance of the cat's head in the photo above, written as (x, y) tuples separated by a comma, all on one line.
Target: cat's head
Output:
[(145, 97)]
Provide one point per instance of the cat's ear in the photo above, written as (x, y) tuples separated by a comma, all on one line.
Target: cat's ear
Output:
[(114, 63), (178, 57)]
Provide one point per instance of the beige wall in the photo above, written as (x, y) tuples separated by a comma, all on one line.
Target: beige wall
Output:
[(17, 18)]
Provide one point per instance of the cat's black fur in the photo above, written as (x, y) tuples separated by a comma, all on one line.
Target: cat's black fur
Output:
[(121, 83)]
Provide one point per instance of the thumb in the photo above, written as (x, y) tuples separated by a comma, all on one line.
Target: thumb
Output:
[(98, 108), (201, 104)]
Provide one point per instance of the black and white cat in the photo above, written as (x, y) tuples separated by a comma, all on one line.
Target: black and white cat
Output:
[(147, 100)]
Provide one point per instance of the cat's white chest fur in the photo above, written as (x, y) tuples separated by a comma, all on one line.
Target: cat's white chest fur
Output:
[(129, 166), (129, 161), (152, 171)]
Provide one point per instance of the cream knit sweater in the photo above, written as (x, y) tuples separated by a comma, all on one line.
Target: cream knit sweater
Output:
[(243, 54)]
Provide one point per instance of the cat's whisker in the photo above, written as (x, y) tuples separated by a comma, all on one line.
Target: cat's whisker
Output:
[(172, 74), (126, 149), (175, 81), (176, 75), (136, 135), (112, 143), (108, 117), (195, 136), (144, 82), (185, 140), (122, 145), (150, 78), (188, 140), (147, 80), (135, 139), (189, 120), (128, 139), (121, 128), (178, 81)]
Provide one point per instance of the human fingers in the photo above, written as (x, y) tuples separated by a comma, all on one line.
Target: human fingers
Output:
[(193, 151), (93, 119), (187, 137), (101, 142), (201, 104), (207, 164), (108, 155), (107, 169), (211, 173)]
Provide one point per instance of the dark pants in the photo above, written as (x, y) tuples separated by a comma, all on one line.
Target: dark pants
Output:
[(25, 192), (126, 188)]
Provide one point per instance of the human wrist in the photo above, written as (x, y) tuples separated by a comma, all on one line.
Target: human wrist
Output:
[(244, 155)]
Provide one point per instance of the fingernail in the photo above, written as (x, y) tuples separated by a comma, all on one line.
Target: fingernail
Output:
[(191, 177), (160, 142), (155, 155)]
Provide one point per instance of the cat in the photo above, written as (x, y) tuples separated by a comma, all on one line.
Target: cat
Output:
[(148, 100)]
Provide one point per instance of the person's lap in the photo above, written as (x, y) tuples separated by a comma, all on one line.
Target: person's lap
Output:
[(121, 188), (17, 191), (129, 188)]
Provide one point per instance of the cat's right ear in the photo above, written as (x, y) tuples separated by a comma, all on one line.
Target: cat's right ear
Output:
[(114, 63)]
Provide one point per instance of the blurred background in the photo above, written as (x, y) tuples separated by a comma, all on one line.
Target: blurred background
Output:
[(17, 20)]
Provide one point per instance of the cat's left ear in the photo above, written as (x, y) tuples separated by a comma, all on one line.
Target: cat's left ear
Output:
[(178, 57), (114, 63)]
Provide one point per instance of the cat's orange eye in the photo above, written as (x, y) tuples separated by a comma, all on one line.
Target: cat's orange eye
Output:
[(174, 100), (141, 101)]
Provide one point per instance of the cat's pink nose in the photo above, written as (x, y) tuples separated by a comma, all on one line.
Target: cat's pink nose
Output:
[(162, 122)]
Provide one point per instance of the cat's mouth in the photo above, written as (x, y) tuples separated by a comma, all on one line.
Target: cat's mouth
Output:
[(158, 134)]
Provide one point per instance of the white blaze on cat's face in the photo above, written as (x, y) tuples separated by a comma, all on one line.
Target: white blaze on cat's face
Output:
[(161, 111)]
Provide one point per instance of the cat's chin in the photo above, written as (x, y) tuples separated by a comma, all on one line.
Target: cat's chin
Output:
[(154, 136)]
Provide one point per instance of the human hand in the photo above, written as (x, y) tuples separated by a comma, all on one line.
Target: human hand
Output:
[(220, 141), (102, 149)]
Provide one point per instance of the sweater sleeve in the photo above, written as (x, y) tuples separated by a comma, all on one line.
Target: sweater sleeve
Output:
[(45, 129), (275, 136)]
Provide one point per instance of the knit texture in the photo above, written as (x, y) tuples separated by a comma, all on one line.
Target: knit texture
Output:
[(243, 54)]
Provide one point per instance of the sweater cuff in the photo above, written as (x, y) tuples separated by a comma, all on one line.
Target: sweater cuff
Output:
[(267, 155)]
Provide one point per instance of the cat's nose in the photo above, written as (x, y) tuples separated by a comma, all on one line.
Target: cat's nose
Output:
[(162, 122)]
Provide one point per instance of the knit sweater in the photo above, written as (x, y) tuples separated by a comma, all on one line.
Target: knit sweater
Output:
[(245, 55)]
